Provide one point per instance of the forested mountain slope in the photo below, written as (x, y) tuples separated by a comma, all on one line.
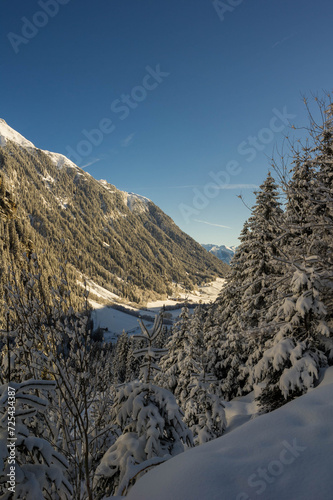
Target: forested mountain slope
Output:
[(122, 241)]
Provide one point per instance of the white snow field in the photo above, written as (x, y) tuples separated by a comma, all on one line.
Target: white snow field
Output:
[(115, 321), (205, 293), (283, 455)]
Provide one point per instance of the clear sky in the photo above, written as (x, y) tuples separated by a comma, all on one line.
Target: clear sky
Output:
[(188, 97)]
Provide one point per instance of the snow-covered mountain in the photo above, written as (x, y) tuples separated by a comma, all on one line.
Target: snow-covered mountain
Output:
[(221, 252), (122, 240), (9, 134), (284, 454)]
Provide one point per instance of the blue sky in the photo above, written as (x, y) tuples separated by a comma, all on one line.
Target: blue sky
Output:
[(188, 99)]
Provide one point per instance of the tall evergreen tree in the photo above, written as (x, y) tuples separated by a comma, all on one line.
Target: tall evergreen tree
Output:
[(171, 363), (241, 310), (120, 358), (302, 341)]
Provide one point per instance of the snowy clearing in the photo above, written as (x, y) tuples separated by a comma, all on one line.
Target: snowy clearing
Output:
[(205, 294), (98, 291)]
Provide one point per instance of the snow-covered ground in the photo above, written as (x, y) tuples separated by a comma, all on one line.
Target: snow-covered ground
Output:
[(286, 454), (205, 294), (238, 411), (98, 291), (116, 321)]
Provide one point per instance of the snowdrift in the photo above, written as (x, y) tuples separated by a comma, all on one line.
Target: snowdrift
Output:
[(286, 454)]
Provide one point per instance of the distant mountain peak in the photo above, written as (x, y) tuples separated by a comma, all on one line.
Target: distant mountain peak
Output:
[(222, 252)]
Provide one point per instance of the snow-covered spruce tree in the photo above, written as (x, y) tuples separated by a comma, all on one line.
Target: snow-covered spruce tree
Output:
[(322, 216), (300, 198), (262, 268), (30, 467), (133, 363), (310, 199), (186, 375), (204, 410), (235, 341), (303, 341), (120, 358), (263, 273), (150, 425), (170, 364), (291, 365), (199, 396), (223, 338), (190, 359)]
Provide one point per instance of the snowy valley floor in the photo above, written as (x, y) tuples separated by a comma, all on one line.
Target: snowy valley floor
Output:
[(116, 321), (286, 454)]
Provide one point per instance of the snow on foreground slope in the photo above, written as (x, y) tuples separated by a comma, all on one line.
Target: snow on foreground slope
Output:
[(287, 454)]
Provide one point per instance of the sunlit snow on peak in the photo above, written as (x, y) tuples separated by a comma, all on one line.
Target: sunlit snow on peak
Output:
[(9, 134)]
